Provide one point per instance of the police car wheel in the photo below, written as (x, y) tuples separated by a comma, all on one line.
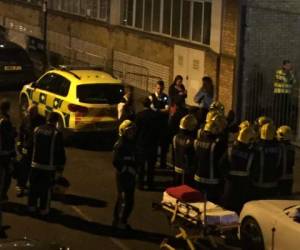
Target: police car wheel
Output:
[(251, 235), (24, 105)]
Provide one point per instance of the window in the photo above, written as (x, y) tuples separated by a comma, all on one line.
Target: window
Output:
[(54, 83), (100, 93), (183, 19)]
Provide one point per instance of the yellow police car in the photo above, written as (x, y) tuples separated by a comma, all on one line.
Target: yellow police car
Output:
[(86, 99)]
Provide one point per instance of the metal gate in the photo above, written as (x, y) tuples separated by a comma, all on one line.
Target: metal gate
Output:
[(269, 37)]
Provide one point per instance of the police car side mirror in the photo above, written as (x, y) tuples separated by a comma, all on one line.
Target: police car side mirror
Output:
[(33, 85)]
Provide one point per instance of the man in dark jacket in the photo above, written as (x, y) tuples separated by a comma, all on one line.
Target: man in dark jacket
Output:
[(209, 149), (147, 135), (183, 144), (265, 171), (25, 146), (236, 165), (287, 163), (7, 148), (47, 159), (160, 104), (125, 165)]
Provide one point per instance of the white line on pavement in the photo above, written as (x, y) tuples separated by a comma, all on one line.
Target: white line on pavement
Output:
[(117, 242)]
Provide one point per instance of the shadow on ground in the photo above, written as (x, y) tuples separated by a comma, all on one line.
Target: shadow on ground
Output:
[(91, 141), (76, 223), (72, 199)]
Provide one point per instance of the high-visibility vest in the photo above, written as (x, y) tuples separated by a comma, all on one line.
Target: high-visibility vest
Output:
[(284, 82)]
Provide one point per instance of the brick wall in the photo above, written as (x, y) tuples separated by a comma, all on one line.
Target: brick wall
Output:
[(271, 36), (229, 52)]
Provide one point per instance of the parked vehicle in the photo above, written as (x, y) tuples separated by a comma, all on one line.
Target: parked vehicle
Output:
[(270, 224)]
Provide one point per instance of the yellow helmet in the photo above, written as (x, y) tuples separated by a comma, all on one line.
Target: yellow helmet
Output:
[(125, 126), (246, 135), (212, 127), (284, 133), (211, 114), (263, 120), (188, 122), (244, 124), (219, 107), (221, 122), (267, 132)]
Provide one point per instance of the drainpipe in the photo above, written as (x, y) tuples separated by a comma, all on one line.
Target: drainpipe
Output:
[(45, 24)]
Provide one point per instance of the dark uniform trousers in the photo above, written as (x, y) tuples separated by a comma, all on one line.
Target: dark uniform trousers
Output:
[(41, 182), (25, 147), (183, 160), (208, 152), (265, 170), (125, 200), (237, 165), (5, 175), (146, 160), (285, 183)]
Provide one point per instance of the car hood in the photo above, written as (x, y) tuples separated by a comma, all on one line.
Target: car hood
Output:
[(275, 204)]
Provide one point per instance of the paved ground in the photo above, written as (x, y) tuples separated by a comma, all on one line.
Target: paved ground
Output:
[(82, 219)]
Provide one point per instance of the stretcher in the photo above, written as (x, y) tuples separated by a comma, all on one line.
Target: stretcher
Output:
[(195, 221)]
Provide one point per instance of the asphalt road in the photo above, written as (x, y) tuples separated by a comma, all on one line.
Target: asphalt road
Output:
[(82, 219)]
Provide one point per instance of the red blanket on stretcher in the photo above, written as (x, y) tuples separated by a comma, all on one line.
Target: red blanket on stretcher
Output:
[(185, 193)]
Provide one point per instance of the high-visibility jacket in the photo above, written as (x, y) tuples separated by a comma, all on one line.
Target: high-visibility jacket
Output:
[(284, 82), (48, 148), (184, 152), (240, 160), (208, 152), (264, 173)]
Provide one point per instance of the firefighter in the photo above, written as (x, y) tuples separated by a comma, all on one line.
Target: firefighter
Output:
[(218, 107), (264, 173), (147, 127), (126, 106), (260, 121), (25, 145), (208, 151), (284, 134), (160, 104), (7, 148), (125, 165), (48, 159), (236, 165), (285, 96), (184, 151)]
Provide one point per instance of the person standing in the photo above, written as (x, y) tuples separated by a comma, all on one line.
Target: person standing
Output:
[(25, 146), (7, 148), (160, 104), (147, 136), (48, 158), (208, 151), (125, 107), (204, 96), (287, 163), (184, 151), (285, 107), (236, 165), (124, 161), (264, 173), (177, 91)]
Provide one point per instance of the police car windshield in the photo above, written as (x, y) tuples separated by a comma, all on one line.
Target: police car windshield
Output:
[(13, 56), (100, 93)]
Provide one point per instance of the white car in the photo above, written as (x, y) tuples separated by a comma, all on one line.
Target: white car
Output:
[(270, 224)]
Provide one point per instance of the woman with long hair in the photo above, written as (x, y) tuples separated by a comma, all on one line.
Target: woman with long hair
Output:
[(177, 91)]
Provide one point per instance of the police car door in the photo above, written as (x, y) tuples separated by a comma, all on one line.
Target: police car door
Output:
[(56, 97), (40, 92)]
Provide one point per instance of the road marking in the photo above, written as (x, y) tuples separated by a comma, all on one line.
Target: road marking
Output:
[(117, 242), (81, 214)]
